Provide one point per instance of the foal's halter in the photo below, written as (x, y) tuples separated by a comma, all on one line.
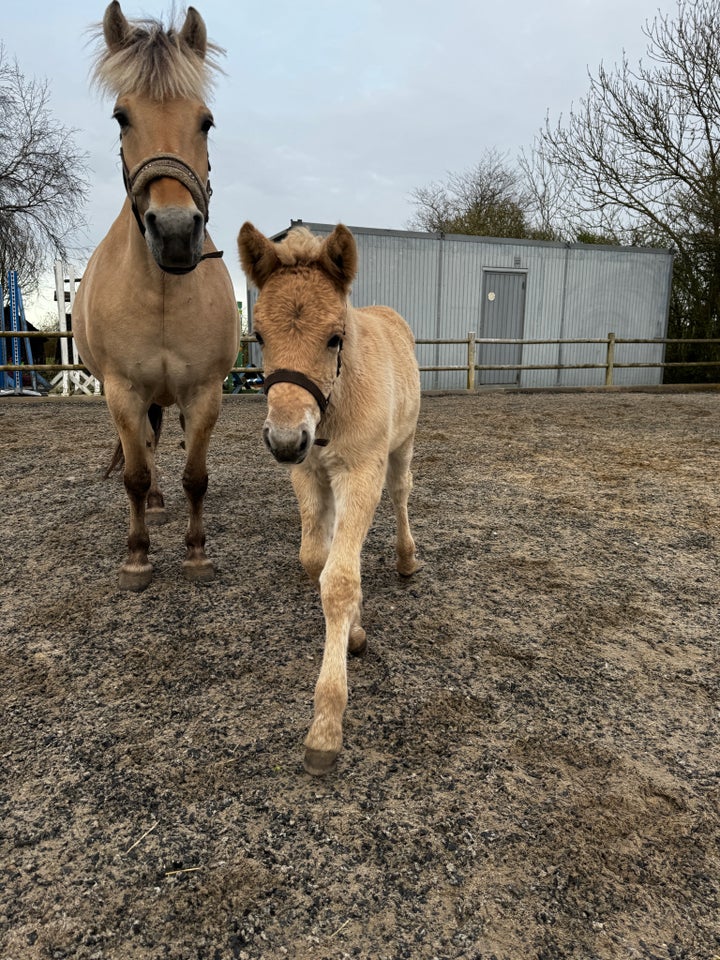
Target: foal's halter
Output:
[(167, 165), (301, 380)]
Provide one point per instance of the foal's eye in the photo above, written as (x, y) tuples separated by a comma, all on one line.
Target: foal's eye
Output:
[(207, 124), (334, 342), (259, 338)]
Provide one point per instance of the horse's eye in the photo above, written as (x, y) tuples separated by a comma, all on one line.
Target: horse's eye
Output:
[(207, 124), (121, 117), (334, 342), (259, 338)]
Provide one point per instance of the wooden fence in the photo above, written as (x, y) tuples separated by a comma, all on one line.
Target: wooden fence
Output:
[(469, 366)]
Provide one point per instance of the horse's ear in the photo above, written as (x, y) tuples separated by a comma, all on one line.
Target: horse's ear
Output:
[(257, 254), (339, 257), (115, 27), (194, 32)]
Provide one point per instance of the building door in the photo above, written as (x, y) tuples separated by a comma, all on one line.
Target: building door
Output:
[(503, 316)]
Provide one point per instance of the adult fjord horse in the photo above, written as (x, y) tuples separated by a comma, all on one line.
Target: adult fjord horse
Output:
[(343, 393), (155, 317)]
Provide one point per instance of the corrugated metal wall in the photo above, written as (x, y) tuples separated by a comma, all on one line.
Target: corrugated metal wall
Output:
[(571, 291)]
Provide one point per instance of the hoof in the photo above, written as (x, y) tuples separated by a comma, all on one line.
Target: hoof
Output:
[(155, 516), (319, 762), (357, 643), (199, 571), (407, 569), (135, 577)]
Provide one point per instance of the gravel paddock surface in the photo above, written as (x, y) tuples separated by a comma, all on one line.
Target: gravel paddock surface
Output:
[(531, 765)]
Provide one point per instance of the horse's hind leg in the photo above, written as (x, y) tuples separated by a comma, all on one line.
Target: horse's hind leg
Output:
[(155, 506), (200, 416), (399, 485)]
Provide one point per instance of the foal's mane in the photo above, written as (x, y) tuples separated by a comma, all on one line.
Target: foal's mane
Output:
[(155, 62), (299, 248)]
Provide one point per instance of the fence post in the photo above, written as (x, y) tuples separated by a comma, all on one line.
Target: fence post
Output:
[(62, 324), (471, 360), (610, 360)]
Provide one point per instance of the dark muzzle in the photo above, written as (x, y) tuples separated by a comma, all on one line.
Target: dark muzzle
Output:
[(142, 175)]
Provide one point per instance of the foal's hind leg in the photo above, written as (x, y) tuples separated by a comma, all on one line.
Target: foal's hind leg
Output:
[(200, 416), (399, 485)]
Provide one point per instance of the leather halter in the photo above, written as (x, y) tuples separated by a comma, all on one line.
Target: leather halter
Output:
[(167, 165), (301, 380)]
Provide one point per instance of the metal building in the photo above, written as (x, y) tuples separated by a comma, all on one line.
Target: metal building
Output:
[(448, 285)]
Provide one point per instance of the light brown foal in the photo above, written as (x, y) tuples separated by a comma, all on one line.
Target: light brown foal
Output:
[(343, 393)]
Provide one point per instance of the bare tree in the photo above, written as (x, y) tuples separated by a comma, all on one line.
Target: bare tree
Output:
[(639, 157), (487, 200), (43, 181)]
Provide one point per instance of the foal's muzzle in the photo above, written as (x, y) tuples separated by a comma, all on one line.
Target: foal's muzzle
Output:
[(287, 445)]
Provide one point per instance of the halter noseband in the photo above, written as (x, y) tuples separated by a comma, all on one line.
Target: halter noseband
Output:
[(167, 165), (301, 380)]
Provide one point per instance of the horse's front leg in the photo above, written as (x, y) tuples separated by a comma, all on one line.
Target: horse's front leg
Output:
[(200, 415), (356, 499), (130, 416)]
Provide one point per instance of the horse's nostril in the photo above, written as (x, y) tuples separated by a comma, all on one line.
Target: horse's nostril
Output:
[(266, 437), (304, 440), (150, 219)]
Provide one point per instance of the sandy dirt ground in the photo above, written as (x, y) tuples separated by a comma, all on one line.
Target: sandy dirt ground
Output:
[(531, 765)]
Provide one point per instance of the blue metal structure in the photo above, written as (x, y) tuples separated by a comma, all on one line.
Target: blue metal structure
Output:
[(18, 325)]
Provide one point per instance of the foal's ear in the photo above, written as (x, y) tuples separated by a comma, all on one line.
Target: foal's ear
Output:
[(115, 27), (339, 257), (257, 254), (194, 32)]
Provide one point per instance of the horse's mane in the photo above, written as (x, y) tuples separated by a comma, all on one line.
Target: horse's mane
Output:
[(299, 247), (155, 62)]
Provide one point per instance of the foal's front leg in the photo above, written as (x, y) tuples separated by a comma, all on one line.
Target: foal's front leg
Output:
[(356, 498), (317, 516)]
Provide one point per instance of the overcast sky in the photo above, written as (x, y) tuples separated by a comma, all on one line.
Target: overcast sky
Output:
[(335, 111)]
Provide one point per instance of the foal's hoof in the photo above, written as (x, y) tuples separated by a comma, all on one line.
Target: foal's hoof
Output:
[(357, 642), (319, 762), (199, 571), (155, 516), (136, 576), (409, 567)]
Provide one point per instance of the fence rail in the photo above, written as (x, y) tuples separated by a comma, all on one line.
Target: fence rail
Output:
[(470, 367)]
